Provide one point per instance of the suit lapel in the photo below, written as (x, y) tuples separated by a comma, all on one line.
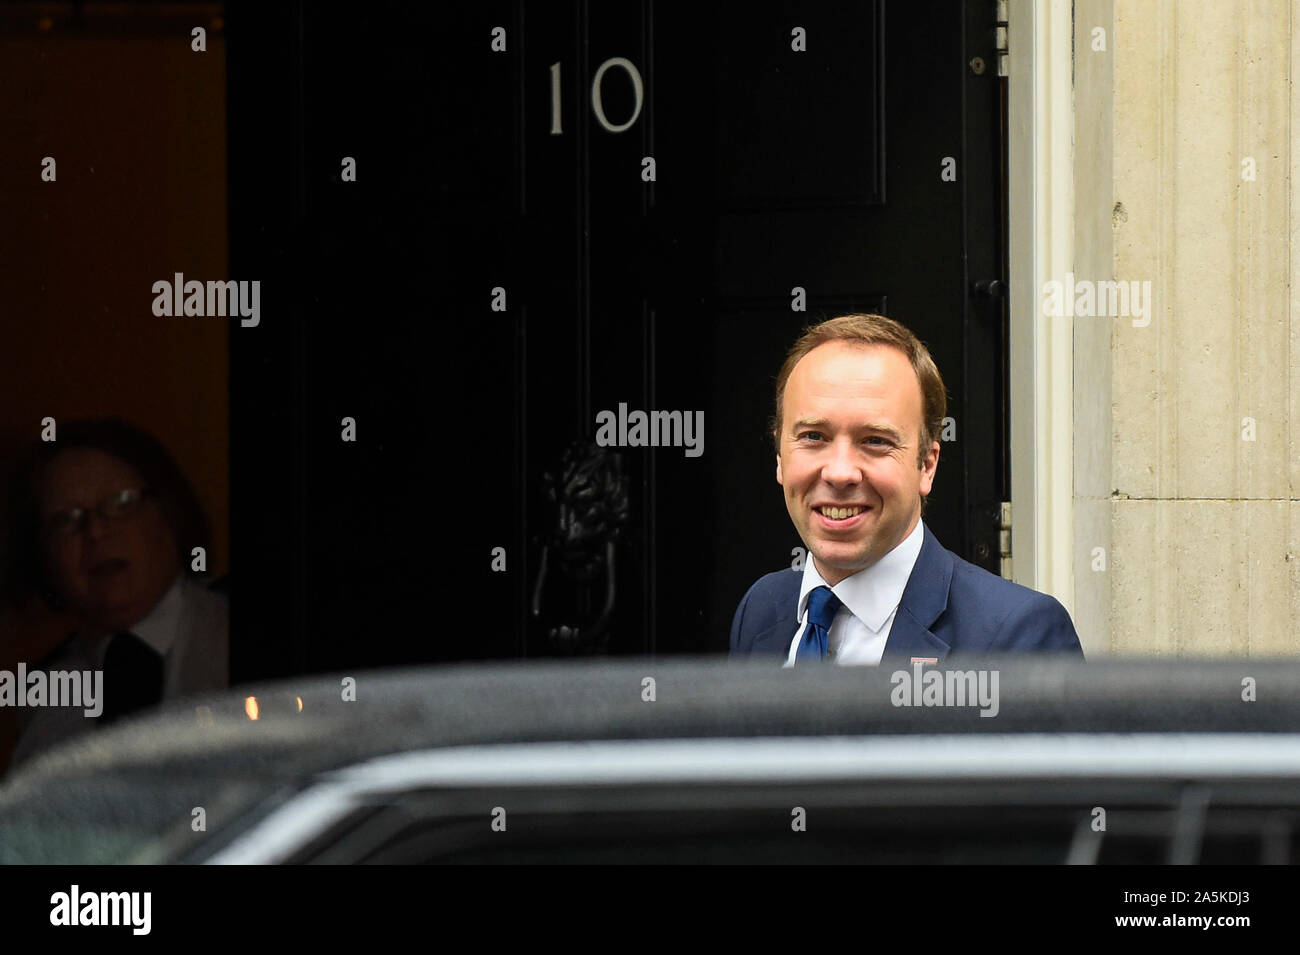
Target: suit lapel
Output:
[(924, 598), (776, 638)]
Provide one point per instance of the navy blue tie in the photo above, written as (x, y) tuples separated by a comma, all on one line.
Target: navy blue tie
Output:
[(822, 606)]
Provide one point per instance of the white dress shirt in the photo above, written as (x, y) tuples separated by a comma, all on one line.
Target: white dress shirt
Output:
[(870, 600), (189, 627)]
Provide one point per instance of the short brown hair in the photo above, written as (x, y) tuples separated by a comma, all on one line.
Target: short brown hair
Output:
[(867, 329)]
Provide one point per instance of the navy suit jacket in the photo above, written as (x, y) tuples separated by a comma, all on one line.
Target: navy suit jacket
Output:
[(949, 606)]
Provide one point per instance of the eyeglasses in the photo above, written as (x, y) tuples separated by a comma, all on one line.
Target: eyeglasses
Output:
[(117, 505)]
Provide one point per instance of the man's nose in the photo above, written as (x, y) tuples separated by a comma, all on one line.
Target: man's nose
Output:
[(842, 466)]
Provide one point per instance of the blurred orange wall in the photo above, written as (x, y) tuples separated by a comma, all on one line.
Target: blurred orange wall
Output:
[(136, 122)]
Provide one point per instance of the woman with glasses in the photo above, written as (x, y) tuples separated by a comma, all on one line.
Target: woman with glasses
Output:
[(103, 525)]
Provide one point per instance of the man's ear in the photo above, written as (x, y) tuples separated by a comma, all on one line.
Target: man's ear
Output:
[(778, 471), (931, 465)]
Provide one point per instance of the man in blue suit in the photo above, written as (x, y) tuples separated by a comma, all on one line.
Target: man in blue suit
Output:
[(859, 408)]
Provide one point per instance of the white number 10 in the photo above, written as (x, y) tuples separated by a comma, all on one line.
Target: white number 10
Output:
[(597, 106)]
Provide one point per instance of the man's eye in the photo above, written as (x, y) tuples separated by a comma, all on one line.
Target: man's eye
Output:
[(810, 434), (882, 440)]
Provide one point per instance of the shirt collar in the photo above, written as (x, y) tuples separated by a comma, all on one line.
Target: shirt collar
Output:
[(161, 624), (872, 594)]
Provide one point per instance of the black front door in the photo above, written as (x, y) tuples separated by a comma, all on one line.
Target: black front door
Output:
[(567, 219)]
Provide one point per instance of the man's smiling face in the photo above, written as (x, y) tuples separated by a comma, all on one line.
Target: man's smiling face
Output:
[(850, 430)]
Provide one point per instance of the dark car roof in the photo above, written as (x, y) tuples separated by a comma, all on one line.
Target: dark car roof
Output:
[(104, 795)]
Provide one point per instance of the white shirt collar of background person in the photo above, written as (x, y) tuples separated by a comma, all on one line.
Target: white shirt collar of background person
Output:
[(189, 626), (871, 597), (161, 625)]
